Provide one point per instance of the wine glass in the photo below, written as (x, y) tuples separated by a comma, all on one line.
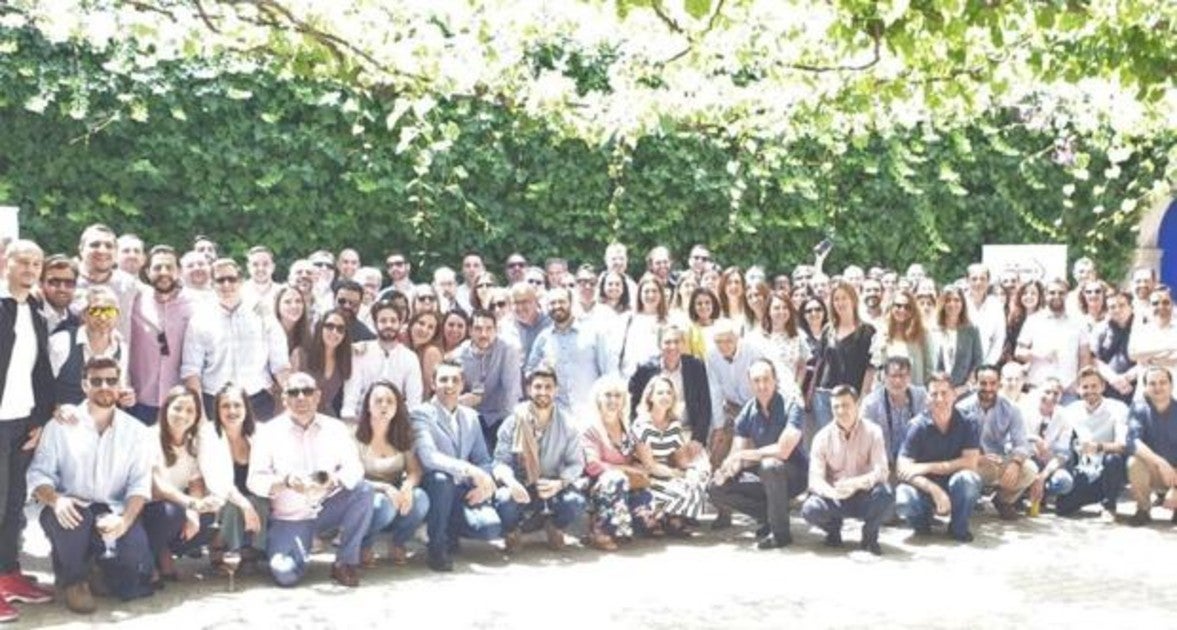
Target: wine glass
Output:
[(230, 563), (107, 522)]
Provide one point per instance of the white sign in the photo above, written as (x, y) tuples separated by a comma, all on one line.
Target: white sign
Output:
[(9, 222), (1032, 262)]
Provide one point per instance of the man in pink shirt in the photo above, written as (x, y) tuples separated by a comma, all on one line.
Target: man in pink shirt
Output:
[(308, 466), (159, 321)]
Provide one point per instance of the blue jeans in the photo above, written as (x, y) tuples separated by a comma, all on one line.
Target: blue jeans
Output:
[(288, 543), (1088, 489), (164, 522), (450, 517), (1059, 483), (127, 574), (566, 506), (917, 508), (871, 506), (386, 518)]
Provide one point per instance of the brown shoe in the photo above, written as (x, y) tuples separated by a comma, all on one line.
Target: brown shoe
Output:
[(1005, 511), (367, 558), (602, 542), (555, 536), (512, 541), (78, 598), (345, 574), (398, 555)]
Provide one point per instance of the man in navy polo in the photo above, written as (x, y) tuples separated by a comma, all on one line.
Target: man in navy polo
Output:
[(1152, 445), (938, 464)]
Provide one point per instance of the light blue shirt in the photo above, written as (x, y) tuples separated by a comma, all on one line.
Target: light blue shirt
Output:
[(244, 345), (108, 467), (579, 358), (497, 371), (729, 379), (1003, 430)]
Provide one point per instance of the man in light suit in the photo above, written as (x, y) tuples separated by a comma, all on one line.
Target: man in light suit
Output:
[(449, 443)]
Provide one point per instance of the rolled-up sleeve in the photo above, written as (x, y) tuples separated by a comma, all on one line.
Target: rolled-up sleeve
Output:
[(44, 471)]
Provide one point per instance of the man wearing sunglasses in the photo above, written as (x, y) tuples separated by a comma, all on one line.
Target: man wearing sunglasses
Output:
[(1155, 342), (349, 297), (69, 350), (159, 322), (232, 341), (308, 466), (26, 398), (94, 478), (398, 268), (59, 280)]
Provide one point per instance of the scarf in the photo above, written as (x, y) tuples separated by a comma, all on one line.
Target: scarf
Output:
[(525, 442)]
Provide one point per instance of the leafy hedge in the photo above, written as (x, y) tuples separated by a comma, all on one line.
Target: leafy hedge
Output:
[(250, 157)]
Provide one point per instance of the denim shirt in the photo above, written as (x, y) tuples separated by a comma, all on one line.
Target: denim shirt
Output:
[(1003, 430)]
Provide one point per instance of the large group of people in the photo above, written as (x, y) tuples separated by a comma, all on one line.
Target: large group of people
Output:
[(159, 403)]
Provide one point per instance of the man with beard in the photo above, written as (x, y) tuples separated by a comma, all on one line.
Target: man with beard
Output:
[(94, 478), (938, 465), (1144, 280), (302, 277), (1005, 450), (159, 322), (349, 296), (448, 441), (230, 341), (894, 405), (1101, 437), (538, 459), (491, 371), (398, 268), (1053, 343), (26, 399), (1109, 344), (59, 280), (131, 258), (658, 265), (987, 312), (1155, 342), (573, 350), (96, 248), (515, 268), (872, 303), (384, 358)]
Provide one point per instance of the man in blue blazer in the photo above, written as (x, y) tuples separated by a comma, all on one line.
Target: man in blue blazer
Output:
[(688, 374), (448, 440)]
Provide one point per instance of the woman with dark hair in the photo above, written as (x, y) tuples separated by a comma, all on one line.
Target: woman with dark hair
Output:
[(612, 296), (291, 308), (1026, 301), (845, 350), (243, 518), (733, 299), (681, 302), (425, 342), (904, 335), (958, 341), (182, 511), (391, 466), (703, 311), (756, 298), (813, 320), (798, 294), (639, 329), (784, 343), (328, 360), (480, 296), (455, 327)]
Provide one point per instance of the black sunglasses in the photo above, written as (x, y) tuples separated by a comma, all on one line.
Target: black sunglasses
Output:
[(295, 392)]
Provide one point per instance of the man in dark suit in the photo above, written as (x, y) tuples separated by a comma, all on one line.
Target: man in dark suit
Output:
[(26, 397), (689, 376), (448, 440)]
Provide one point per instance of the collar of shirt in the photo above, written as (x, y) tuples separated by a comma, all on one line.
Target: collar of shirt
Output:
[(83, 339)]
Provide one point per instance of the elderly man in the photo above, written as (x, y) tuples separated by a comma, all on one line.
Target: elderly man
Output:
[(848, 474), (1152, 446), (1096, 464), (448, 441), (538, 460), (938, 464), (386, 358), (26, 400), (727, 372), (767, 465), (689, 376), (529, 319), (1005, 451), (159, 324), (230, 341), (94, 478), (307, 464), (574, 350), (894, 405), (491, 370)]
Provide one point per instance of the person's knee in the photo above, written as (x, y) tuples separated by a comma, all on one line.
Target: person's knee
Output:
[(773, 467), (420, 504), (907, 500), (965, 484), (814, 510), (286, 570)]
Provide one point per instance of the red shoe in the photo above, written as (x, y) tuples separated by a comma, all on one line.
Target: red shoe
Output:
[(15, 587), (8, 612)]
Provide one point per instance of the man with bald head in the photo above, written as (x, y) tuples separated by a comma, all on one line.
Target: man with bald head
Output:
[(529, 319)]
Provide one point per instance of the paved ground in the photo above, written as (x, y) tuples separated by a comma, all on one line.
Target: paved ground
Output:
[(1045, 572)]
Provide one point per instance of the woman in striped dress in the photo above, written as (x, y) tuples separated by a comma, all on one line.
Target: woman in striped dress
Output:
[(679, 469)]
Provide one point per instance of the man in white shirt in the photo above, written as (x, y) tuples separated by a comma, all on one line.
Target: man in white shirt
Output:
[(1155, 342), (1101, 437), (94, 478), (1053, 343), (987, 312), (382, 359)]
